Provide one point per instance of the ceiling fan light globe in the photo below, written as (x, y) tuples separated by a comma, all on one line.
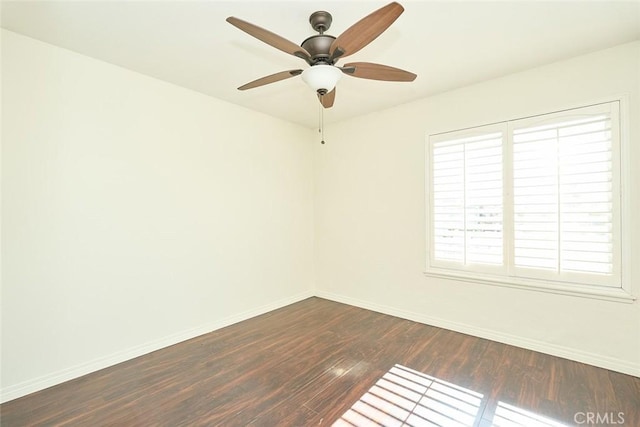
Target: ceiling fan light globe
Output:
[(322, 77)]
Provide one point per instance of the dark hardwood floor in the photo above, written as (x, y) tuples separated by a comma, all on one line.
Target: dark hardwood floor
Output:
[(308, 363)]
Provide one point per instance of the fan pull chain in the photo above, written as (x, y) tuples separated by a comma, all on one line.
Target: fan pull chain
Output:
[(321, 123)]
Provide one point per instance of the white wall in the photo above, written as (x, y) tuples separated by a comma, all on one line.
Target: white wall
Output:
[(370, 215), (136, 214)]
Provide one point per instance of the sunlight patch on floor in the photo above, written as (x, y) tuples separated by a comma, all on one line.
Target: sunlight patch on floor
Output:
[(405, 397), (511, 416)]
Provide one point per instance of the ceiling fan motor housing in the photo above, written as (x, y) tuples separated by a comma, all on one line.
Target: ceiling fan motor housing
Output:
[(318, 47)]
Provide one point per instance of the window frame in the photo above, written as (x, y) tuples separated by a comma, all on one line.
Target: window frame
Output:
[(506, 275)]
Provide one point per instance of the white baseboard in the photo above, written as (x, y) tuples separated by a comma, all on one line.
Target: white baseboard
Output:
[(37, 384), (600, 361)]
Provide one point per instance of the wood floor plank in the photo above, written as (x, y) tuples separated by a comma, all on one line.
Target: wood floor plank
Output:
[(307, 364)]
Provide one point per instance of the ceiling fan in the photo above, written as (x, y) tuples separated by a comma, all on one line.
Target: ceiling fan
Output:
[(322, 51)]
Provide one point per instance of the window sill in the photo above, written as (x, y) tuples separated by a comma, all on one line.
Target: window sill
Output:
[(584, 291)]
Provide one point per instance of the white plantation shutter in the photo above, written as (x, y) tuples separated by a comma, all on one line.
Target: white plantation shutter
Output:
[(564, 189), (483, 200), (467, 198), (536, 198), (448, 201)]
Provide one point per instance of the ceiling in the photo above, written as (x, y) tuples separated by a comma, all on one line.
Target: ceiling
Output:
[(448, 44)]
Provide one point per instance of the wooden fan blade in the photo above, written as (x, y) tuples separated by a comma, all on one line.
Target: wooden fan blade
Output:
[(365, 31), (327, 99), (270, 79), (269, 38), (368, 70)]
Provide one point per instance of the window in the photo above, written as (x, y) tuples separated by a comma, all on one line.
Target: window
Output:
[(535, 199)]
